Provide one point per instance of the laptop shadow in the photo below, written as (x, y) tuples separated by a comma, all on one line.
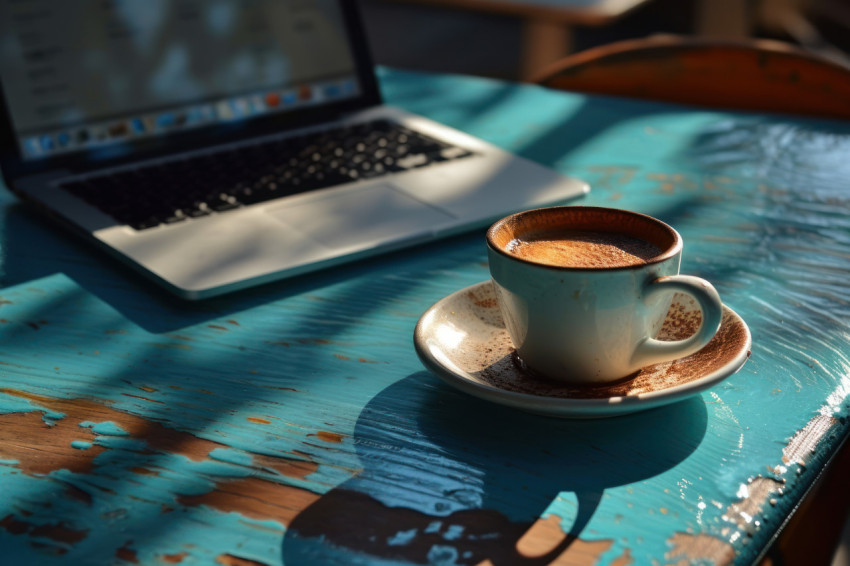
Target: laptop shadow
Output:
[(149, 306)]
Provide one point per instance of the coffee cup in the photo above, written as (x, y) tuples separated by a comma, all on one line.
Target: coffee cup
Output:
[(584, 291)]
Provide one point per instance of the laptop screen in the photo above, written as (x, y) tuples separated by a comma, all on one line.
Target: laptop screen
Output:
[(101, 75)]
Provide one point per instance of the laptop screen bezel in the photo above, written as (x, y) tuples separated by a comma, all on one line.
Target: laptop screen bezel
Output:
[(14, 166)]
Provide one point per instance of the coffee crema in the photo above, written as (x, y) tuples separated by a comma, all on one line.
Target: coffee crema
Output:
[(582, 249)]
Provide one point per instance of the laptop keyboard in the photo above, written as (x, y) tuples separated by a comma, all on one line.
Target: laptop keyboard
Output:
[(178, 190)]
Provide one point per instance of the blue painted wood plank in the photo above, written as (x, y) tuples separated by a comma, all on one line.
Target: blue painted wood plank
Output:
[(294, 423)]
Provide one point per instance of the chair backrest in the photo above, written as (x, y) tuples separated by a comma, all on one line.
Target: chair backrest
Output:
[(759, 75)]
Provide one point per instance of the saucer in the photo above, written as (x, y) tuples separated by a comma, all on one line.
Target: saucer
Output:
[(463, 340)]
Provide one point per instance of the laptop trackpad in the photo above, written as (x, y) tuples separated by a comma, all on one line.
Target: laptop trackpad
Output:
[(361, 218)]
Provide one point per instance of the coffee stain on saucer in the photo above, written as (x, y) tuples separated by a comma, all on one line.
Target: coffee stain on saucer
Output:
[(497, 366), (486, 303)]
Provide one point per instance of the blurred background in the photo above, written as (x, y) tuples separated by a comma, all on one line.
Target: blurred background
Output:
[(515, 39), (502, 38)]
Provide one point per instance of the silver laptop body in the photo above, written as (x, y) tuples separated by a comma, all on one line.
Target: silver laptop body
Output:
[(248, 244)]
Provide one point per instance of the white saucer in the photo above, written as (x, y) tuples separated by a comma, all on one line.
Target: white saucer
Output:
[(463, 340)]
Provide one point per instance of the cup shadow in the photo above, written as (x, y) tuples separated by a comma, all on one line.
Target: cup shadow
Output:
[(443, 472)]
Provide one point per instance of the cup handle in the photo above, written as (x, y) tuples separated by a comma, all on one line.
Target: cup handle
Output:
[(652, 351)]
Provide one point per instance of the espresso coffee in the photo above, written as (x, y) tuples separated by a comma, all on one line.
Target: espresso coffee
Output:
[(582, 249), (573, 285)]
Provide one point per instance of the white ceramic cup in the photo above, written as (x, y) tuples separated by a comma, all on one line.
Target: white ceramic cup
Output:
[(594, 325)]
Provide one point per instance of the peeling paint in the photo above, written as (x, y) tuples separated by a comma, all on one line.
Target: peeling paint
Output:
[(126, 553), (545, 539), (109, 422), (806, 440), (328, 436), (149, 400), (255, 498), (57, 532), (315, 341), (761, 203), (233, 560), (700, 547), (745, 513), (108, 428), (229, 489), (57, 452), (176, 558), (754, 495)]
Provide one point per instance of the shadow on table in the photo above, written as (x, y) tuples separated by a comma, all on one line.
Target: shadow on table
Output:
[(50, 250), (476, 476), (447, 475)]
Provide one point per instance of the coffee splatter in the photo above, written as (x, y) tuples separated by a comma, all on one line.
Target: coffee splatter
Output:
[(488, 354), (506, 374)]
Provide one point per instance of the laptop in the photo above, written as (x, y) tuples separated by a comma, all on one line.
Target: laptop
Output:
[(218, 145)]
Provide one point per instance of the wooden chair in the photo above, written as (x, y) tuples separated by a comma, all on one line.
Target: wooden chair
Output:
[(758, 75)]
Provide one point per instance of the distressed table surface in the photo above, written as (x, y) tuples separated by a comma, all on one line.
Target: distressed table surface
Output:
[(294, 423)]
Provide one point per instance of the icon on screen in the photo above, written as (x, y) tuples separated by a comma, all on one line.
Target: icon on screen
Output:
[(32, 146), (118, 130), (290, 98), (224, 110), (240, 107), (138, 126), (257, 104), (272, 100), (348, 87), (165, 121)]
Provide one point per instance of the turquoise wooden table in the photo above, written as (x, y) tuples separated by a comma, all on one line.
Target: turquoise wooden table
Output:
[(294, 423)]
